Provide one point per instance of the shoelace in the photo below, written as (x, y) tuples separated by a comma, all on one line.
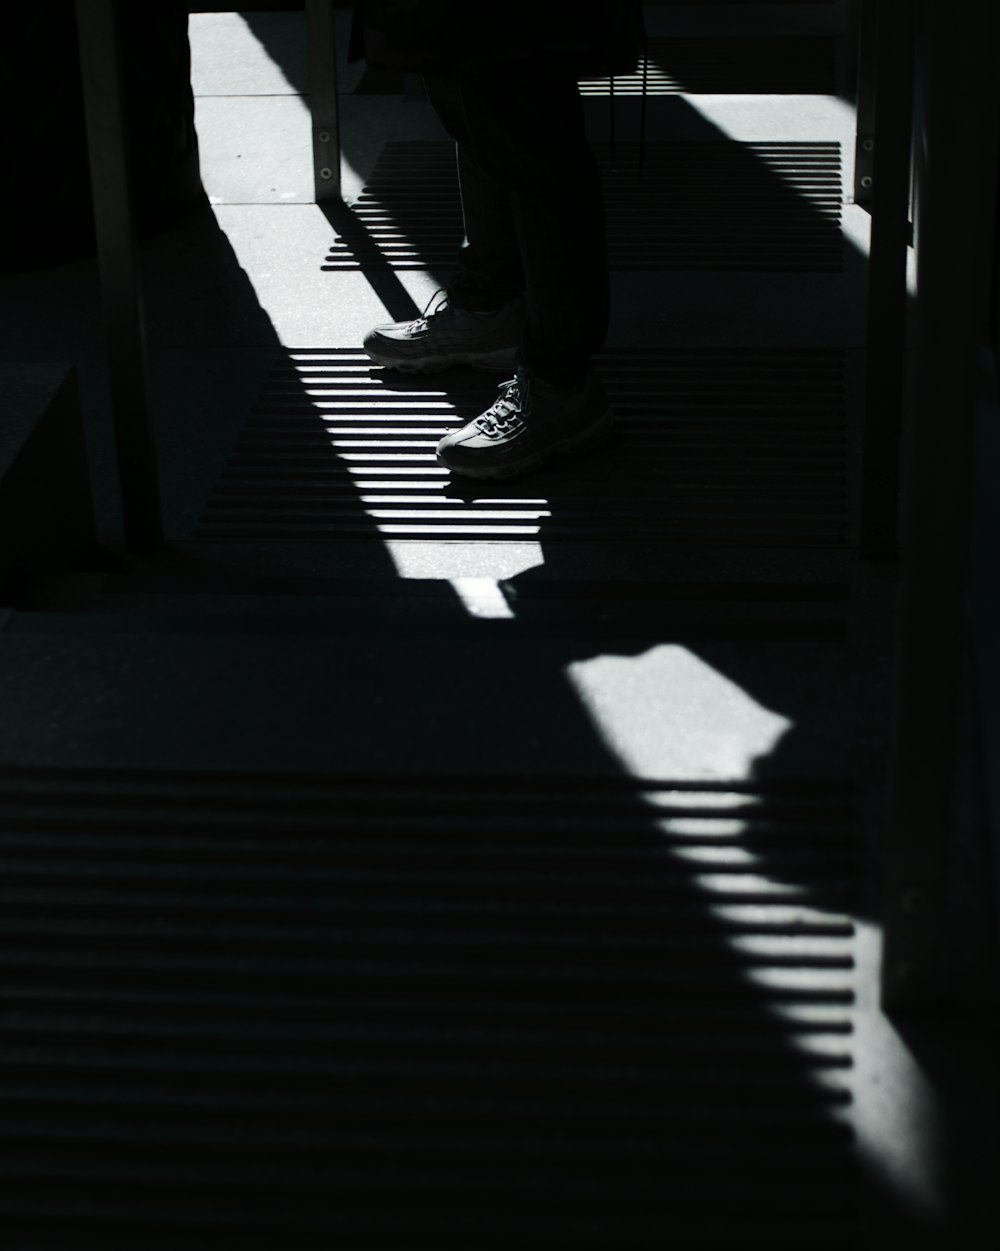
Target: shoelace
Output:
[(505, 412), (428, 315)]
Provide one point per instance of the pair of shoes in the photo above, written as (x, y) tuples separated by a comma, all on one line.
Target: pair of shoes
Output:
[(530, 422), (447, 336)]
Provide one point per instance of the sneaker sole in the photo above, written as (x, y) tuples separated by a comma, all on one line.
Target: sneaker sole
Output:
[(504, 361), (595, 436)]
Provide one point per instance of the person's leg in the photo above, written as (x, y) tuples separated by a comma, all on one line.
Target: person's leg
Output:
[(489, 273), (524, 131), (534, 214), (481, 322)]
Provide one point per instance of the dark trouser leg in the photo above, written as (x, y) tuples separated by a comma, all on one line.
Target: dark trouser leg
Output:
[(490, 274), (520, 132)]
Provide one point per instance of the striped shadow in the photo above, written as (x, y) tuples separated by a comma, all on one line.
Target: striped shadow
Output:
[(773, 207), (779, 65), (785, 65), (715, 446), (246, 1011)]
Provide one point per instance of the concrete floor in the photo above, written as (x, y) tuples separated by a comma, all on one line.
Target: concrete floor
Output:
[(543, 673)]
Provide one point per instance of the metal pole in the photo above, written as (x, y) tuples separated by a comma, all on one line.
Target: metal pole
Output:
[(107, 138), (324, 99), (887, 294), (867, 64), (956, 197)]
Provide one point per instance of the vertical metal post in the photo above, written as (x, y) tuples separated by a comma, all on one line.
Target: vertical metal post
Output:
[(324, 99), (956, 197), (107, 138), (867, 66), (887, 294)]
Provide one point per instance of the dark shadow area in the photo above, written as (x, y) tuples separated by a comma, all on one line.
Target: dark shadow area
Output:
[(705, 203), (538, 486), (721, 65), (282, 35), (46, 181), (777, 63), (430, 965), (494, 1007)]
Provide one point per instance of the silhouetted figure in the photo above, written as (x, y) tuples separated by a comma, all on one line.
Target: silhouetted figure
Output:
[(531, 291)]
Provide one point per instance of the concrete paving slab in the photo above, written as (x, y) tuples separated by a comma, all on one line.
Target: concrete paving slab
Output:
[(781, 119), (264, 54), (258, 149), (255, 149), (744, 118), (198, 295), (228, 59), (282, 253)]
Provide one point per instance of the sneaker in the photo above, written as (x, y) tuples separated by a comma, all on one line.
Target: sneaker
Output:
[(448, 336), (528, 423)]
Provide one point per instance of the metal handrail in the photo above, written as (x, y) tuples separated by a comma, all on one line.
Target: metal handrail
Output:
[(324, 99)]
